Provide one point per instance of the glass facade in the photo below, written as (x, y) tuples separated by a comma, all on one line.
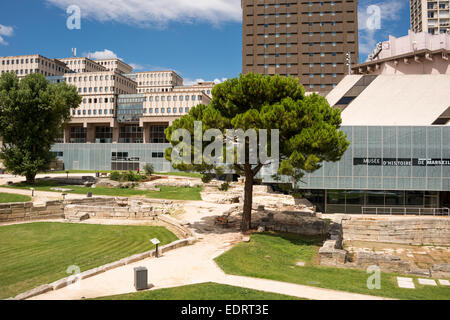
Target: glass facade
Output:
[(388, 158), (384, 167), (105, 156)]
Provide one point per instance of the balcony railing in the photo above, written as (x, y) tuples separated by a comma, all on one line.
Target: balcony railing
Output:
[(413, 211)]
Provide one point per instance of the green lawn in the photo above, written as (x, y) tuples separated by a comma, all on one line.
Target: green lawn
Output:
[(10, 197), (177, 174), (274, 256), (38, 253), (203, 291), (169, 193)]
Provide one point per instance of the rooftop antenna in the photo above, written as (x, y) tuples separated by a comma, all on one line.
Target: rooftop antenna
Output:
[(349, 62), (74, 52)]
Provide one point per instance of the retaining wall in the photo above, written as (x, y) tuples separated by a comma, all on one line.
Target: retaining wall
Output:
[(412, 230)]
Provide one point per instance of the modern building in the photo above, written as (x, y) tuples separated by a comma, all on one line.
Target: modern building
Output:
[(115, 65), (25, 65), (431, 16), (399, 156), (157, 81), (80, 65), (121, 120), (305, 39), (416, 53)]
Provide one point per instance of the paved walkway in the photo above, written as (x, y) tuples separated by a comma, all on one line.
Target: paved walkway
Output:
[(191, 265)]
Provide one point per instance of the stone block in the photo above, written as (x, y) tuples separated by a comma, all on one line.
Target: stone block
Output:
[(34, 292)]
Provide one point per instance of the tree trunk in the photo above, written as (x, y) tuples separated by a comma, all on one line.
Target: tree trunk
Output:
[(31, 178), (248, 199)]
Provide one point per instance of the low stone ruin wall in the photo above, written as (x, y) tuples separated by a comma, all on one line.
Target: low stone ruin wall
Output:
[(297, 222), (408, 230), (117, 208), (412, 231), (27, 211)]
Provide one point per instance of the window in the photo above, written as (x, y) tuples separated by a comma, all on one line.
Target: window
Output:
[(157, 134), (78, 134), (131, 134)]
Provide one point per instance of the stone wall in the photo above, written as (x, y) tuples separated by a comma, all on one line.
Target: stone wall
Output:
[(408, 230), (26, 211), (297, 222)]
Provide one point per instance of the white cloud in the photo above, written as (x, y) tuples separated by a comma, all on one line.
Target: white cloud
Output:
[(5, 31), (389, 12), (157, 12), (136, 66), (105, 54), (3, 42), (217, 81), (190, 82)]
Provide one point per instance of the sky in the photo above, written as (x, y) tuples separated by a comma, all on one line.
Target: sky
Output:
[(199, 39)]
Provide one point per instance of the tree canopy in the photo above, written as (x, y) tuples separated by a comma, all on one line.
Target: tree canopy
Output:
[(33, 114), (308, 128)]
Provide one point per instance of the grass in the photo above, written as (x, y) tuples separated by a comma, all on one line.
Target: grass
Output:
[(10, 197), (169, 193), (274, 256), (37, 253), (176, 174), (203, 291)]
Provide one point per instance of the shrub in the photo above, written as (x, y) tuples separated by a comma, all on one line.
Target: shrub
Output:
[(149, 169), (224, 187), (207, 177), (131, 176), (115, 176)]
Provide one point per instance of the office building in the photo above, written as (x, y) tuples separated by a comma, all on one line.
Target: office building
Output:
[(305, 39), (431, 16), (399, 156)]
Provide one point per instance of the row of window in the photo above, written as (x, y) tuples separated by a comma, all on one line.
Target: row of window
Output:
[(93, 112), (278, 65), (32, 60), (127, 83), (322, 44), (155, 90), (322, 86), (26, 71), (151, 83), (175, 98), (96, 89), (98, 100), (166, 110), (91, 78), (323, 65), (154, 75), (322, 75)]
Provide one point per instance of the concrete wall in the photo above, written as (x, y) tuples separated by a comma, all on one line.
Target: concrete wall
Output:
[(413, 230)]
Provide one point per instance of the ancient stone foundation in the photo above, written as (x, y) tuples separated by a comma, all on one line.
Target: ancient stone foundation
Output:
[(412, 231), (417, 231)]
